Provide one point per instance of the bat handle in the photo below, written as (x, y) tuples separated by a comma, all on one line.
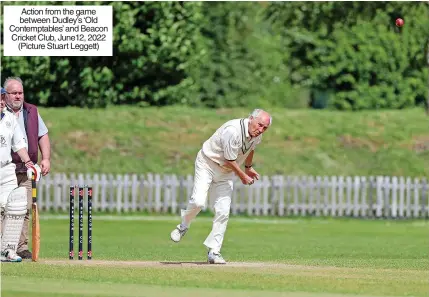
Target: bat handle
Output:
[(34, 188), (35, 221)]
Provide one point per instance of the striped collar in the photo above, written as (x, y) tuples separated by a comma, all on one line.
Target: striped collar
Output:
[(245, 128), (245, 136)]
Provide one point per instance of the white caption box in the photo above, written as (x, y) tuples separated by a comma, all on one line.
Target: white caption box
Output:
[(58, 30)]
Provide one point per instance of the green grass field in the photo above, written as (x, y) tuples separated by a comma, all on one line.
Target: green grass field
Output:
[(133, 256), (300, 142)]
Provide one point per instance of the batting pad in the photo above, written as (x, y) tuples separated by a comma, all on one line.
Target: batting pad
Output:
[(13, 218)]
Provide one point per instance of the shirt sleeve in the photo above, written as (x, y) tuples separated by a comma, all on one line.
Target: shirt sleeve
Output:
[(230, 139), (42, 127), (18, 140)]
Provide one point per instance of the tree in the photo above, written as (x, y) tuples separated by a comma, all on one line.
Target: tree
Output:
[(355, 49), (156, 45)]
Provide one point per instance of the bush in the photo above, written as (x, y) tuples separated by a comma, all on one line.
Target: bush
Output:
[(355, 51), (155, 46), (245, 65)]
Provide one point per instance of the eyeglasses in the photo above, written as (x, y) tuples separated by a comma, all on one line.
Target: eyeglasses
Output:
[(15, 93)]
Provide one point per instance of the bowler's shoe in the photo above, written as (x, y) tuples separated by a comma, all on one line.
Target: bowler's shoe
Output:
[(215, 258)]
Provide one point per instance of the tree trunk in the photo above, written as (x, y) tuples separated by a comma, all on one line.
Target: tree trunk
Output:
[(427, 58), (427, 99)]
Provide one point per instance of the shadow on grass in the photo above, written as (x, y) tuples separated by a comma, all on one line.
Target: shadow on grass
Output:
[(184, 262)]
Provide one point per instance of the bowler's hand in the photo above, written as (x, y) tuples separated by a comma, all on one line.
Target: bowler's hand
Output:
[(246, 180), (46, 166), (252, 173)]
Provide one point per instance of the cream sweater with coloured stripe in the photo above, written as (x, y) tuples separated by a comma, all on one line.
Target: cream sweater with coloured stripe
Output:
[(231, 142)]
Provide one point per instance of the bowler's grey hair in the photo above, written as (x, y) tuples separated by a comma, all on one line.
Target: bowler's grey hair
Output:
[(255, 113), (12, 78)]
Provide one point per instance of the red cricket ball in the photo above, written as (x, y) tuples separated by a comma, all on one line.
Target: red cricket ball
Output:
[(399, 22)]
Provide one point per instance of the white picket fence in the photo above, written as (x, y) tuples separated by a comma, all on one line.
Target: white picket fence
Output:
[(379, 196)]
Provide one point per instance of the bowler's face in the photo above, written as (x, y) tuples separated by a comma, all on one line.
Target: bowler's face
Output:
[(258, 126)]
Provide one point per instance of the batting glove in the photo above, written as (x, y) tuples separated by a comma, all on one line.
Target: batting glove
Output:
[(33, 169)]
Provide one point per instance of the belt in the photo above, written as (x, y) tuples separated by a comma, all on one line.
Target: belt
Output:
[(207, 158), (20, 167), (227, 170)]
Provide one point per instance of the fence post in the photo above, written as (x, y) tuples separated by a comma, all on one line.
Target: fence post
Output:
[(363, 189), (341, 203), (356, 188), (423, 198), (349, 187), (386, 193), (126, 184), (379, 203), (416, 197), (134, 190), (281, 188), (393, 191), (303, 198), (174, 183)]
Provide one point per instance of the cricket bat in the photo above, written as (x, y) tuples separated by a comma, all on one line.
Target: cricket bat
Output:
[(35, 223)]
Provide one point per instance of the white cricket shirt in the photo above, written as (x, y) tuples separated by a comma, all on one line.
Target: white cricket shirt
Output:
[(231, 142), (11, 137)]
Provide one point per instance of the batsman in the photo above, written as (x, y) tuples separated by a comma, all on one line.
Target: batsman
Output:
[(13, 199)]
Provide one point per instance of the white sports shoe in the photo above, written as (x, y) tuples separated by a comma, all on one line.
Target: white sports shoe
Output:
[(215, 258), (9, 255), (178, 233)]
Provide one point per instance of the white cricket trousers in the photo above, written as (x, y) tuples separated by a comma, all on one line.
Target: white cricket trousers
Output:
[(210, 179), (8, 182)]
